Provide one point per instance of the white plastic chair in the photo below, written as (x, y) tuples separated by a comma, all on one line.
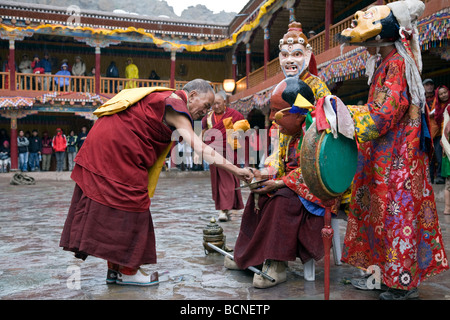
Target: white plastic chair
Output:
[(309, 267)]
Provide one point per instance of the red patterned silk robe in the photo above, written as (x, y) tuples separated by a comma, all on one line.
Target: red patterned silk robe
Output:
[(393, 222)]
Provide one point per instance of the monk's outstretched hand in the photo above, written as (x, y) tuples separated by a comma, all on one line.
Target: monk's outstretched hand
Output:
[(244, 174)]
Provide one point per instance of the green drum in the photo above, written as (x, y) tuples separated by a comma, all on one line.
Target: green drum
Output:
[(328, 165)]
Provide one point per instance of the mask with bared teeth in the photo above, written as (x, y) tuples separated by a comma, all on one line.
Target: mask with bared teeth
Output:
[(296, 54)]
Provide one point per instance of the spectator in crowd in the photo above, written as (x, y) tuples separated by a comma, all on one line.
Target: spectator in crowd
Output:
[(131, 72), (69, 67), (25, 67), (34, 148), (5, 156), (112, 72), (436, 133), (154, 75), (428, 85), (59, 144), (5, 64), (79, 67), (442, 106), (47, 65), (71, 149), (63, 82), (92, 72), (38, 68), (47, 151), (185, 153), (22, 145), (82, 136), (89, 82), (3, 136), (78, 70)]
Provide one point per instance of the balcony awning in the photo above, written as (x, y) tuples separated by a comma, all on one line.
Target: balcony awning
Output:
[(260, 101), (190, 45), (16, 102), (348, 66)]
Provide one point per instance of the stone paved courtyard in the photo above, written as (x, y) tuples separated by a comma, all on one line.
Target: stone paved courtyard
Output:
[(32, 266)]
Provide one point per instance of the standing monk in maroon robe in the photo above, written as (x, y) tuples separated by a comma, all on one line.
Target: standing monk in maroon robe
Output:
[(117, 169), (223, 184)]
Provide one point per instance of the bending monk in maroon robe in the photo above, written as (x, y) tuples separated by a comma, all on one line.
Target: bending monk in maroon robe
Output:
[(109, 216), (223, 183)]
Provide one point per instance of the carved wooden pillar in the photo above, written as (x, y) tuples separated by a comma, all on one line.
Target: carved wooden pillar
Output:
[(13, 146), (97, 69), (266, 50), (97, 42), (12, 36), (173, 59), (329, 8), (12, 67), (248, 61), (13, 115), (234, 66)]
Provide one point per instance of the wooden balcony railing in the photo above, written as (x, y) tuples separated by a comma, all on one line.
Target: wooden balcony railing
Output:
[(114, 85), (4, 80), (258, 76), (42, 83), (54, 83)]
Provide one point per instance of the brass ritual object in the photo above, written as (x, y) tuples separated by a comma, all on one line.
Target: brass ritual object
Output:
[(213, 233)]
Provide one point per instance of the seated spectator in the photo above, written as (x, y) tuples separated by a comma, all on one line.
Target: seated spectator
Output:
[(69, 67), (63, 82)]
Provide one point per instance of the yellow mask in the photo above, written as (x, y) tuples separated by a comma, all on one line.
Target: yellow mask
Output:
[(366, 25)]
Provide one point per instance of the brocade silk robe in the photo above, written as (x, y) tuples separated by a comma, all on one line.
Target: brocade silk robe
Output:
[(393, 222)]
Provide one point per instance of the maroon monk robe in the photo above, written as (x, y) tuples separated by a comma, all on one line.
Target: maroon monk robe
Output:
[(109, 216), (282, 229), (223, 183)]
